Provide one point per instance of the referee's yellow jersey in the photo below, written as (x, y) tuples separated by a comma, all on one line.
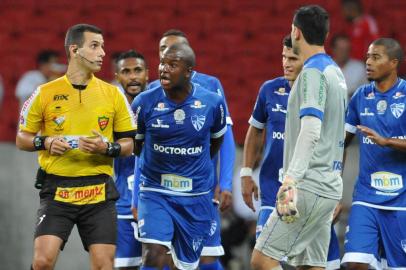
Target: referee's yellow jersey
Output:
[(56, 108)]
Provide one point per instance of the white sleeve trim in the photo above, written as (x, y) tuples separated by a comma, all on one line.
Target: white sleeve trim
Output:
[(220, 133), (361, 258), (139, 136), (213, 251), (350, 128), (229, 121), (253, 122)]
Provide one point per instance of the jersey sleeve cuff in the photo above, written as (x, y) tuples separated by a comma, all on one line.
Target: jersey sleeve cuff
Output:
[(256, 123), (229, 121), (350, 128), (312, 112), (220, 133)]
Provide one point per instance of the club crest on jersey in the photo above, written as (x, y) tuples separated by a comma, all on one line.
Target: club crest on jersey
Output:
[(281, 92), (397, 109), (197, 105), (381, 106), (59, 121), (398, 95), (198, 121), (103, 121), (179, 116)]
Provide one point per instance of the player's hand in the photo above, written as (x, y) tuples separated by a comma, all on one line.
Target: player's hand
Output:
[(337, 212), (286, 200), (373, 135), (94, 144), (225, 200), (248, 188), (57, 145), (135, 212)]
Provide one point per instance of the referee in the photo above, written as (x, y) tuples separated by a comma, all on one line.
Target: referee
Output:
[(78, 124)]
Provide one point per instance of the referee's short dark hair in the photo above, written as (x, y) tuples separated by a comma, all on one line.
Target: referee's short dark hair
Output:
[(74, 35)]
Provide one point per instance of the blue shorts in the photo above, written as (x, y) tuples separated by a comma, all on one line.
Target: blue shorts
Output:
[(181, 223), (333, 257), (376, 237), (213, 246), (128, 252)]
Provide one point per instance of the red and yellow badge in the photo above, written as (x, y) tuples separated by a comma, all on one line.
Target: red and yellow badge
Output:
[(103, 121), (81, 195)]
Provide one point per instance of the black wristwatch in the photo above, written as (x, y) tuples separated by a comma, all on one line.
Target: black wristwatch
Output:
[(113, 149), (39, 142)]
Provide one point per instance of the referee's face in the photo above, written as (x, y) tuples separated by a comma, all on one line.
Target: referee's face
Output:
[(92, 52)]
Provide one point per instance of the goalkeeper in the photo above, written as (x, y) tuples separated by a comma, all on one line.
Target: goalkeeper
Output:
[(298, 232)]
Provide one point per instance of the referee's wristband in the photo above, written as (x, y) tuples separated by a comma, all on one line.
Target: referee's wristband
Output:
[(245, 171), (39, 142), (113, 149)]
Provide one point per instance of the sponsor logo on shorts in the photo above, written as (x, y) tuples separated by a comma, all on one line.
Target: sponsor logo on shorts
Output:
[(197, 242), (403, 244), (176, 183), (81, 195), (213, 227), (386, 181), (41, 219), (337, 165)]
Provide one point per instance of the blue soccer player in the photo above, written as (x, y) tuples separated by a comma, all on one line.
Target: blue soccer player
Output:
[(212, 248), (180, 126), (269, 117), (132, 74), (376, 232)]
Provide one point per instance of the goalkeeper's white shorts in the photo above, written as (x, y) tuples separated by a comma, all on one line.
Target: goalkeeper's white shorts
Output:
[(304, 242)]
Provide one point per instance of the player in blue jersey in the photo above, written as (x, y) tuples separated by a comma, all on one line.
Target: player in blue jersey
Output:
[(132, 74), (222, 199), (180, 126), (269, 117), (376, 233)]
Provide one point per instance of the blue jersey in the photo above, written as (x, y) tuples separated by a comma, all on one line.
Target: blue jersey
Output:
[(381, 169), (124, 178), (227, 150), (176, 154), (270, 113)]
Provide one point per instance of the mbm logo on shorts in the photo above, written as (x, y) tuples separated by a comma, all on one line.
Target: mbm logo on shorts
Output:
[(176, 182), (386, 181)]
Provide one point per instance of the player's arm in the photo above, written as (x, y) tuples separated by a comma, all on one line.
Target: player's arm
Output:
[(253, 141), (215, 144), (227, 158), (28, 141), (397, 144)]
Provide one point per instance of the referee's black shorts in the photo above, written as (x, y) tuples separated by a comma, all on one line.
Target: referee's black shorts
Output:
[(88, 202)]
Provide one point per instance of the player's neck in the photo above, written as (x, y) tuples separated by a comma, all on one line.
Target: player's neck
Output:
[(310, 50), (179, 94), (386, 84), (77, 75)]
